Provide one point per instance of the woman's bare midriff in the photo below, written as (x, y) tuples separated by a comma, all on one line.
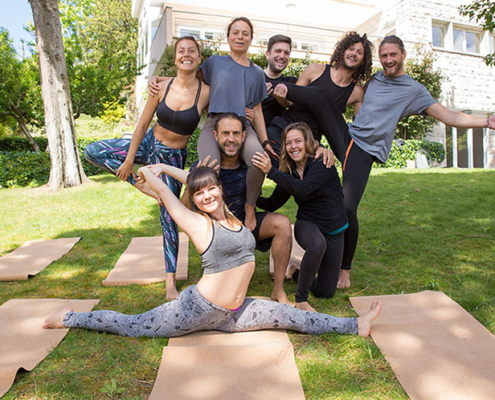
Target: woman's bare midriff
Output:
[(228, 288), (169, 138)]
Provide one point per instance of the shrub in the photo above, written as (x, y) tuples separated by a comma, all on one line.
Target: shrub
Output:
[(20, 166), (404, 150), (192, 148), (24, 168), (17, 143)]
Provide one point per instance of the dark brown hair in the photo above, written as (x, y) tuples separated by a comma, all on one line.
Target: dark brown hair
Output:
[(279, 39), (243, 19), (363, 73)]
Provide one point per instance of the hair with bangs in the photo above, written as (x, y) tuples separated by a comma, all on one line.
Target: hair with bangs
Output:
[(363, 73), (286, 163), (201, 177)]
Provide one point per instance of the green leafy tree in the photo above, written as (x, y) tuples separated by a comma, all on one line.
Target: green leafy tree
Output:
[(20, 97), (100, 42), (483, 11)]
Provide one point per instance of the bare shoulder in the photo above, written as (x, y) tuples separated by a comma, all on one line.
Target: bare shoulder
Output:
[(357, 95), (312, 72)]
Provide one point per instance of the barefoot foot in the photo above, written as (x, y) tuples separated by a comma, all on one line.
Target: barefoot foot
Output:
[(250, 219), (170, 287), (365, 320), (344, 279), (304, 305), (281, 297), (290, 271), (56, 320)]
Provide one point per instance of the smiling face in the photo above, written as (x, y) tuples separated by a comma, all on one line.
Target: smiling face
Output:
[(208, 199), (187, 55), (392, 59), (239, 37), (295, 146), (354, 56), (230, 137), (278, 57)]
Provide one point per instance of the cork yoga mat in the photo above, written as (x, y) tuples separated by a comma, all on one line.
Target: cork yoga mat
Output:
[(32, 257), (219, 366), (143, 263), (23, 342), (437, 350)]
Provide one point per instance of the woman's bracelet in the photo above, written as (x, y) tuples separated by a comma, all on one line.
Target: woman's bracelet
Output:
[(265, 143)]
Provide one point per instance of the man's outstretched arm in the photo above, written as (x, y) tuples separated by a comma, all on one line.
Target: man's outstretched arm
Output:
[(458, 119)]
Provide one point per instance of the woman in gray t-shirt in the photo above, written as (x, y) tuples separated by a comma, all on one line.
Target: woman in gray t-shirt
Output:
[(236, 83)]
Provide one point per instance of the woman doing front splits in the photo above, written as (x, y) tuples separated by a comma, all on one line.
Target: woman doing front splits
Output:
[(321, 219), (218, 301), (178, 107)]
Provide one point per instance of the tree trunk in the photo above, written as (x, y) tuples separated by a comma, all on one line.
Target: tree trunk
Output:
[(66, 170)]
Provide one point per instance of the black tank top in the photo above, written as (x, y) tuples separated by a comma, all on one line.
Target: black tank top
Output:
[(182, 122), (337, 94)]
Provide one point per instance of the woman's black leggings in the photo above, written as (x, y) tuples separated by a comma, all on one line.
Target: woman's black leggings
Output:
[(356, 163), (323, 257)]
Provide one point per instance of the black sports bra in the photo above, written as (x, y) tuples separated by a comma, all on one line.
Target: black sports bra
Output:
[(182, 122)]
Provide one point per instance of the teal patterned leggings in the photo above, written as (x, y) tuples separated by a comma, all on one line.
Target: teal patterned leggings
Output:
[(111, 153)]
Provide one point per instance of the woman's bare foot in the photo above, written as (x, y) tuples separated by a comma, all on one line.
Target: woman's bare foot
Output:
[(290, 271), (56, 320), (344, 279), (365, 320), (145, 188), (281, 297), (172, 292), (305, 306), (250, 219)]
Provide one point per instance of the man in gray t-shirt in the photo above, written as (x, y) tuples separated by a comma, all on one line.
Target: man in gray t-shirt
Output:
[(390, 95)]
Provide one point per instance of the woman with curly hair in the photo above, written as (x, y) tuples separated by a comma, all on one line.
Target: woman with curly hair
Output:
[(341, 82)]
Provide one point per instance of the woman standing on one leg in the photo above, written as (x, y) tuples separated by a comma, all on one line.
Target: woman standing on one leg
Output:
[(321, 219), (178, 107), (218, 301)]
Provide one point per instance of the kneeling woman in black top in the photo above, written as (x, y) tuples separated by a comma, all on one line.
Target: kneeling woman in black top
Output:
[(321, 219)]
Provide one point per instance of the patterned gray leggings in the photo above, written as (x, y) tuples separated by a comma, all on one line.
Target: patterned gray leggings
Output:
[(191, 312)]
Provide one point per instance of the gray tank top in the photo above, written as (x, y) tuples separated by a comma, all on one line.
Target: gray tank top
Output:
[(228, 249)]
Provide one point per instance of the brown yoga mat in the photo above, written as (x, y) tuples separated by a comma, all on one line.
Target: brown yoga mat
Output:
[(23, 342), (296, 254), (213, 365), (32, 257), (142, 262), (436, 348)]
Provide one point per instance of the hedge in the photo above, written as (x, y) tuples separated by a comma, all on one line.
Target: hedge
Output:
[(22, 167)]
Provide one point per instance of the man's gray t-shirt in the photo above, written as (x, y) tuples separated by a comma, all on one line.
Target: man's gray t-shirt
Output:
[(233, 87), (386, 101)]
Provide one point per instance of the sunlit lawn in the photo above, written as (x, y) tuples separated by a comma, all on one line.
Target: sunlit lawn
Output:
[(420, 230)]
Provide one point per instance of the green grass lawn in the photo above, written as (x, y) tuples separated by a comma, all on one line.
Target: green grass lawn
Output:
[(420, 230)]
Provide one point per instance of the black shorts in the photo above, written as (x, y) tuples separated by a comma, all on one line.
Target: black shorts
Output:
[(265, 244)]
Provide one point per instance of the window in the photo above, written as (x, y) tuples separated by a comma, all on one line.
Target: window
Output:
[(438, 34), (209, 36), (309, 47), (190, 32), (466, 41), (451, 36)]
